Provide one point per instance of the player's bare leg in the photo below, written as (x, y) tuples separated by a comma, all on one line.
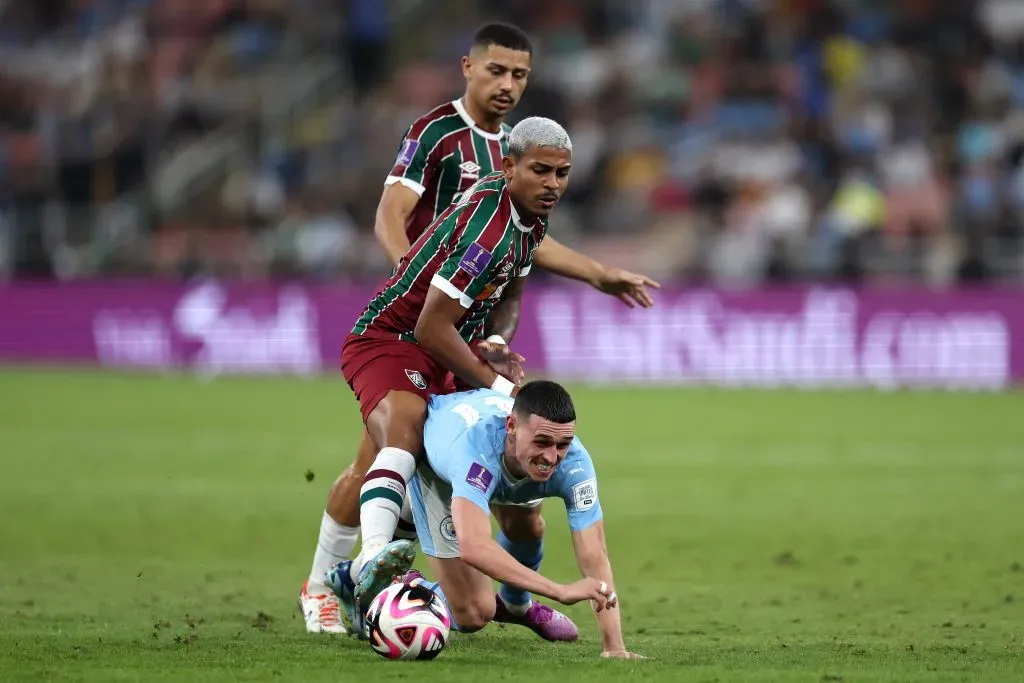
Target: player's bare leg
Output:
[(343, 499), (395, 424), (522, 536), (467, 592), (339, 531)]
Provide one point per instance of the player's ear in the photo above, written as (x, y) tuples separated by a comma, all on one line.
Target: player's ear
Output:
[(467, 66), (510, 424), (508, 167)]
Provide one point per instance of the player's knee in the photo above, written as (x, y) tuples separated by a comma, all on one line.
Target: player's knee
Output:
[(343, 499), (474, 614), (525, 524)]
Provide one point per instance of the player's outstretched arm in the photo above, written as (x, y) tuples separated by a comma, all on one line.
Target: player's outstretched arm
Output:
[(396, 205), (592, 557), (480, 551), (627, 287), (436, 332)]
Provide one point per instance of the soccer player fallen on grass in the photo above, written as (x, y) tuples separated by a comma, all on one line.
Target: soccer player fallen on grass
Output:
[(442, 154), (419, 327), (487, 453)]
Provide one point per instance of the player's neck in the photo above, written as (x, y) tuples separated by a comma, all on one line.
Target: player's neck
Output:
[(512, 467), (524, 214), (480, 118)]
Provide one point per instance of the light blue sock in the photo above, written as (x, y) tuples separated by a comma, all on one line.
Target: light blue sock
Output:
[(436, 587), (529, 554)]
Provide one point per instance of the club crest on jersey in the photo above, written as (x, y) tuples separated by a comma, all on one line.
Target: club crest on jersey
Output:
[(447, 529), (470, 170), (475, 261), (408, 151), (416, 378), (479, 478)]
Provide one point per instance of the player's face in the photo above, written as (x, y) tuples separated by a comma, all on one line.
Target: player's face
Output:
[(538, 445), (538, 180), (495, 78)]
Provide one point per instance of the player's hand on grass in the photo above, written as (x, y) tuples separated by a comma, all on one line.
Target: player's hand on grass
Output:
[(629, 288), (599, 592), (621, 654), (503, 360)]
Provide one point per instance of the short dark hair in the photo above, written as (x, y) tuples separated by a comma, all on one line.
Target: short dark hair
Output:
[(502, 35), (546, 399)]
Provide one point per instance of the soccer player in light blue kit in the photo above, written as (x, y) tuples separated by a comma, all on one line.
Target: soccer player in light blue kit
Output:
[(486, 453)]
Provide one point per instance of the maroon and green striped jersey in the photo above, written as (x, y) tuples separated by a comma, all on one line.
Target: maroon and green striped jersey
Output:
[(471, 253), (442, 154)]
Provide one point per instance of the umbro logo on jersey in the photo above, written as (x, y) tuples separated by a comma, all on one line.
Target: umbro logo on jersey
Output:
[(470, 169)]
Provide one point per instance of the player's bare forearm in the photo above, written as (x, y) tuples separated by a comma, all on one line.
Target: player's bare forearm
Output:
[(436, 332), (504, 318), (629, 288), (592, 557), (554, 256), (479, 550), (396, 205)]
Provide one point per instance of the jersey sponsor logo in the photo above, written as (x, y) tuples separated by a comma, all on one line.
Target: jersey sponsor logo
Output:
[(447, 529), (416, 378), (479, 478), (476, 259), (470, 170), (584, 495), (408, 151), (491, 291)]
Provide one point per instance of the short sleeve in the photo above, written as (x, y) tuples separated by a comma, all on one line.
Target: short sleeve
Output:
[(475, 482), (578, 489), (413, 165), (478, 240), (457, 453)]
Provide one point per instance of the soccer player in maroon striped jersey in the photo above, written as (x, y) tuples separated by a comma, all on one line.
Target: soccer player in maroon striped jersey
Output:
[(421, 323), (442, 154)]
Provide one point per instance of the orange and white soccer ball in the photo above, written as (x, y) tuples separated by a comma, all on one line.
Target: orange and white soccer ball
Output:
[(408, 621)]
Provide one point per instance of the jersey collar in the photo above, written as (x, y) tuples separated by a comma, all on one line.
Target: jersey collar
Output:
[(519, 221), (516, 219), (461, 109), (509, 479)]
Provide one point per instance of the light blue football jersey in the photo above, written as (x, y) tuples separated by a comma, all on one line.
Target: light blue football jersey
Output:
[(464, 437)]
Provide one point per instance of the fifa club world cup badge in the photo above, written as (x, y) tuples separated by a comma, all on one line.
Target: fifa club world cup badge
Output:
[(408, 152), (479, 478), (475, 261)]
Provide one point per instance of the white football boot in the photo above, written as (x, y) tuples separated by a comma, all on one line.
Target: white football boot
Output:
[(321, 610)]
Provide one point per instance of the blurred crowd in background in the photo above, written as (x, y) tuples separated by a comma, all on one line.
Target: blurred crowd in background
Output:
[(730, 142)]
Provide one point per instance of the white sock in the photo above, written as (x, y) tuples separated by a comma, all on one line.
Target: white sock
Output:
[(382, 496), (335, 544), (518, 610)]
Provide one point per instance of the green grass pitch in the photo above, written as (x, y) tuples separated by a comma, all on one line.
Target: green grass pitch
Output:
[(158, 527)]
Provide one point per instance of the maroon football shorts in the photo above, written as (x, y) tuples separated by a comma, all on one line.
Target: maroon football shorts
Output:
[(374, 366)]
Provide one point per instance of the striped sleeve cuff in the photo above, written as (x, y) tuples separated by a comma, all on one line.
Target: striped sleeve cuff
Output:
[(411, 184), (451, 290)]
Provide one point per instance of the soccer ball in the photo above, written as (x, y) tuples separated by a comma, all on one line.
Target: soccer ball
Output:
[(408, 621)]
